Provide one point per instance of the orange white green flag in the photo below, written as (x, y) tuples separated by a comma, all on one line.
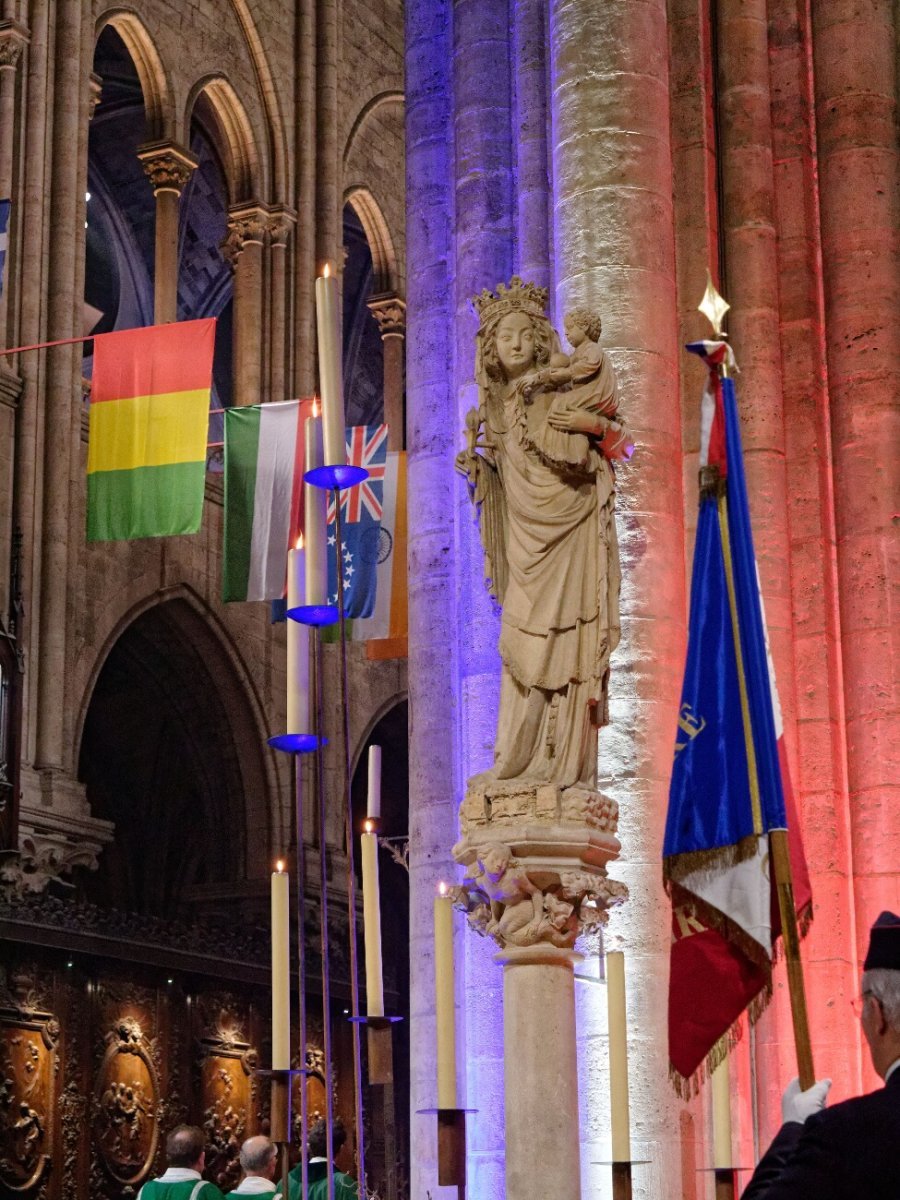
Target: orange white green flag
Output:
[(149, 419)]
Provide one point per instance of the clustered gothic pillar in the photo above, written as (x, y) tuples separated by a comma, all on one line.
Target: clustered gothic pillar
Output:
[(613, 248), (281, 222), (168, 167), (390, 313), (247, 225), (13, 39), (859, 178)]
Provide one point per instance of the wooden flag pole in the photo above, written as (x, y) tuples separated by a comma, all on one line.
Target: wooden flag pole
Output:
[(714, 308), (781, 865)]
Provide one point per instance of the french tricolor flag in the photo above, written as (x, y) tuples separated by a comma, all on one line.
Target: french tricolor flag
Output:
[(730, 785)]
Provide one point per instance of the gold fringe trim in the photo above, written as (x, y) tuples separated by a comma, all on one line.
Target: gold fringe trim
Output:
[(677, 866), (686, 1089)]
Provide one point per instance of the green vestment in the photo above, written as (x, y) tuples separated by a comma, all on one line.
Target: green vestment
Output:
[(344, 1185), (162, 1189)]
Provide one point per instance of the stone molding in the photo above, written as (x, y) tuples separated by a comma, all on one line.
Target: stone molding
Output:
[(96, 85), (11, 386), (14, 37), (167, 165), (390, 313)]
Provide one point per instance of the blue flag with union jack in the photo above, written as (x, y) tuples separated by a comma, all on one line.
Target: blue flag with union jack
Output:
[(361, 511), (4, 226)]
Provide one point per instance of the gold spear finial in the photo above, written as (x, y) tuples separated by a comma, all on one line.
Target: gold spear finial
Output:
[(714, 307)]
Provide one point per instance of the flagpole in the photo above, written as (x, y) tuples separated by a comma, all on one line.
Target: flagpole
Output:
[(351, 874), (714, 308)]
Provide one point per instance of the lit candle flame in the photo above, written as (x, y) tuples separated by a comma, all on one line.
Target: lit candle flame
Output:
[(442, 888), (298, 545), (326, 271), (369, 826), (315, 408), (279, 866)]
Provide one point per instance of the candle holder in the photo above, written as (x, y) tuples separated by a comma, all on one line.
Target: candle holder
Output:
[(280, 1118), (338, 476), (313, 614), (726, 1180), (621, 1175), (295, 743), (451, 1128), (380, 1045)]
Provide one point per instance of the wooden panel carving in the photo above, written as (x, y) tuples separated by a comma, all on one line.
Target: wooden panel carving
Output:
[(28, 1042), (228, 1085), (126, 1103)]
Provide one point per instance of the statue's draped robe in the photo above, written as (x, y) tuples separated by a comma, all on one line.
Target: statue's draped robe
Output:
[(560, 617)]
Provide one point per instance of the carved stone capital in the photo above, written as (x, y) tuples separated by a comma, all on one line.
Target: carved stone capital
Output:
[(535, 856), (390, 313), (14, 37), (248, 224), (281, 223), (167, 166)]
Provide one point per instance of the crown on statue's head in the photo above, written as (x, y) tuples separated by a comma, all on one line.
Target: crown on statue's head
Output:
[(518, 297)]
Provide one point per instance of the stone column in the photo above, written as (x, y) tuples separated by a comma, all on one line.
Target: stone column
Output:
[(281, 222), (304, 365), (751, 287), (168, 167), (13, 39), (64, 321), (390, 313), (431, 427), (542, 1152), (859, 179), (614, 251), (530, 114), (247, 225)]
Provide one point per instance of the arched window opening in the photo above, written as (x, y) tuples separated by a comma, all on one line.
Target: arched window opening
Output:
[(363, 349)]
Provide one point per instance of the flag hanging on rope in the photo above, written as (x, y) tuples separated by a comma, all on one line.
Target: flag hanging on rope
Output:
[(4, 239), (730, 784), (149, 416), (264, 449), (386, 629), (362, 508)]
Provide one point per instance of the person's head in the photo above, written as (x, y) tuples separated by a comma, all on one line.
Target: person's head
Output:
[(185, 1147), (258, 1157), (581, 323), (881, 992), (317, 1140)]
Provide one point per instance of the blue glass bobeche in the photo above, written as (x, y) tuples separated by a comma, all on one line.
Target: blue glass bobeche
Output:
[(341, 475), (314, 614), (296, 743)]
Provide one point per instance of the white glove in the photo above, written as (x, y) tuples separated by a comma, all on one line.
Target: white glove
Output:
[(797, 1105)]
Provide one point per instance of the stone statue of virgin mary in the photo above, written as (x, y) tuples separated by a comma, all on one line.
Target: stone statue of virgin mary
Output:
[(539, 463)]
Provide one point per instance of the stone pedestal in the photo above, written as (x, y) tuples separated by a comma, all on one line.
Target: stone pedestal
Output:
[(536, 857), (540, 1073)]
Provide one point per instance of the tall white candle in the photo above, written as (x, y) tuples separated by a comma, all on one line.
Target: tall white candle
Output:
[(620, 1121), (297, 650), (372, 922), (281, 985), (373, 803), (721, 1098), (329, 326), (315, 519), (445, 999)]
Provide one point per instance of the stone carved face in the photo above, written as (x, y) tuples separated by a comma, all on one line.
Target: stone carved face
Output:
[(574, 332), (515, 344)]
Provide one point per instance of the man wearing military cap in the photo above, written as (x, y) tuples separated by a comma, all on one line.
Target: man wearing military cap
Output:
[(853, 1149)]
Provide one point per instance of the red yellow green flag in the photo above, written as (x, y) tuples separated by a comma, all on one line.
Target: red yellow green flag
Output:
[(148, 431)]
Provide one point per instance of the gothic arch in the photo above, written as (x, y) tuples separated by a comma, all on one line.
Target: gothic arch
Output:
[(246, 169), (277, 136), (378, 235), (392, 96), (159, 104), (196, 639)]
